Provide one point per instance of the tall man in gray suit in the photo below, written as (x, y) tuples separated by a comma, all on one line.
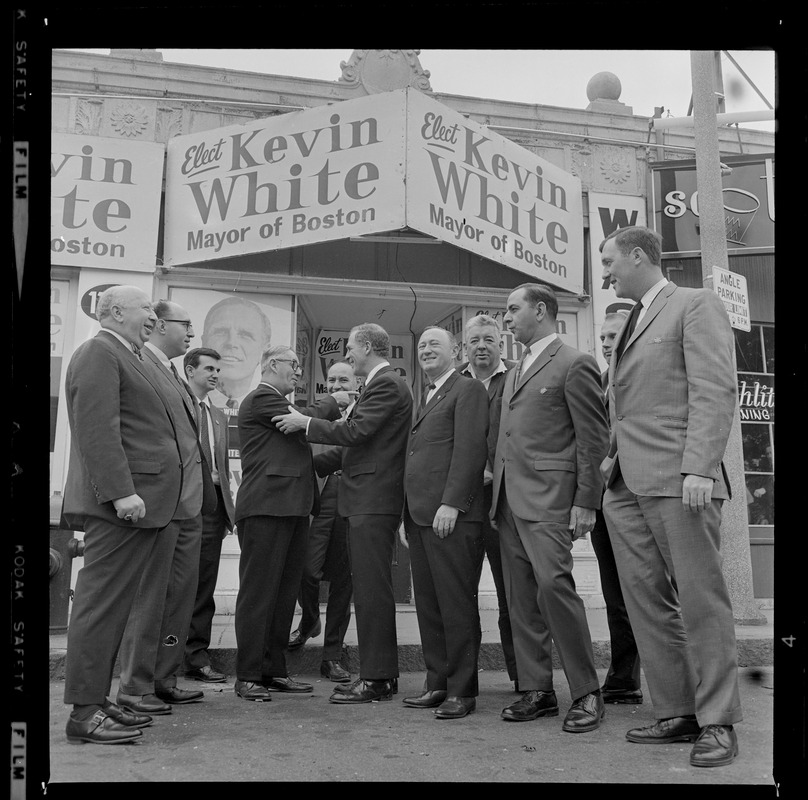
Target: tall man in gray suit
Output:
[(673, 392), (154, 641), (552, 437), (123, 484)]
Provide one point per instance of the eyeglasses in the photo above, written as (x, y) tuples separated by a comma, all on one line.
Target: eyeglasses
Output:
[(186, 322), (293, 363)]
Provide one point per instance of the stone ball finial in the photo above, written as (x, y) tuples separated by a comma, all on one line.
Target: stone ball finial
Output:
[(604, 86)]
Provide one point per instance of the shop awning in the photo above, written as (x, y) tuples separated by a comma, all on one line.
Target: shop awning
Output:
[(376, 164)]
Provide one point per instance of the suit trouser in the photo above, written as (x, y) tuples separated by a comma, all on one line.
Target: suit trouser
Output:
[(445, 577), (624, 667), (371, 542), (327, 559), (543, 604), (494, 555), (273, 551), (214, 529), (106, 586), (669, 563), (154, 641)]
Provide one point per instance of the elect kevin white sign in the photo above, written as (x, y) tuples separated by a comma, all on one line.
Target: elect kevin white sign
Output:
[(370, 165), (326, 173)]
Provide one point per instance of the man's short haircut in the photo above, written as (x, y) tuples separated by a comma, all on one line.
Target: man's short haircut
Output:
[(482, 321), (274, 351), (626, 239), (536, 293), (621, 315), (162, 309), (341, 361), (452, 337), (244, 303), (195, 354), (375, 336), (114, 296)]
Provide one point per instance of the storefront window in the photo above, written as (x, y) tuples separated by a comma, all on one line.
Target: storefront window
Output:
[(755, 353)]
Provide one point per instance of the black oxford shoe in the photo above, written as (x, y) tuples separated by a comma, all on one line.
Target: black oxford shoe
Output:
[(623, 696), (250, 690), (716, 746), (147, 704), (177, 696), (532, 705), (127, 718), (298, 638), (428, 699), (363, 691), (101, 728), (286, 684), (585, 714), (335, 672), (206, 674), (456, 707), (665, 731)]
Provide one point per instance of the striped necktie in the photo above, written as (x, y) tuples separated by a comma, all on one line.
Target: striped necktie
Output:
[(520, 366)]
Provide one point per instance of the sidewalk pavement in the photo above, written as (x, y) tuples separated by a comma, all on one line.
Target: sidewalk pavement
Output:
[(755, 644)]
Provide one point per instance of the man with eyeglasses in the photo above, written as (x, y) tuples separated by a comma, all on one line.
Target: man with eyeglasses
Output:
[(278, 493), (154, 641)]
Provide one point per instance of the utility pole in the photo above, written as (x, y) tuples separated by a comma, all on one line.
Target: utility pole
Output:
[(735, 521)]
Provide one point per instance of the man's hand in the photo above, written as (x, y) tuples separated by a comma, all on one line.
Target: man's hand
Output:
[(344, 398), (444, 522), (582, 520), (130, 508), (488, 477), (402, 535), (291, 422), (697, 492)]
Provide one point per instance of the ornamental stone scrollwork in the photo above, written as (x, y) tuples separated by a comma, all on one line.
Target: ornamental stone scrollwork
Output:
[(168, 123), (384, 71), (88, 117)]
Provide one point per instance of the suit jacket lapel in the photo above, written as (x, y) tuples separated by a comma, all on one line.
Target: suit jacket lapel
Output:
[(541, 360), (190, 405), (439, 395)]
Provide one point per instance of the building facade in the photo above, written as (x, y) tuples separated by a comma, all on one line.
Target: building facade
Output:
[(285, 209)]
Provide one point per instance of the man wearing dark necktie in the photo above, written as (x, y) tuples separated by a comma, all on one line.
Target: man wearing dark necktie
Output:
[(371, 450), (622, 683), (547, 484), (443, 511), (201, 366), (153, 644)]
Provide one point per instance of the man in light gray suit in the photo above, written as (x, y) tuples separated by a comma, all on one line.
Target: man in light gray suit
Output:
[(672, 391)]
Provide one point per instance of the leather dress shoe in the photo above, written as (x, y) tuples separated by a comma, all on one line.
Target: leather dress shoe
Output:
[(127, 718), (147, 704), (178, 696), (429, 699), (101, 728), (298, 638), (532, 705), (334, 671), (716, 746), (456, 707), (623, 696), (585, 714), (664, 731), (363, 691), (207, 674), (250, 690), (286, 684)]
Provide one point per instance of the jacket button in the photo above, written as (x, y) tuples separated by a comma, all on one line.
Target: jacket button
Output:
[(507, 433), (414, 430), (412, 451), (619, 416)]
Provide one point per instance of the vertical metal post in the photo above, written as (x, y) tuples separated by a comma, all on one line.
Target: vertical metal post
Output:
[(735, 521)]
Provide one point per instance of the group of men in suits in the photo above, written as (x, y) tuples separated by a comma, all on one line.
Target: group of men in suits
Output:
[(141, 486), (515, 458)]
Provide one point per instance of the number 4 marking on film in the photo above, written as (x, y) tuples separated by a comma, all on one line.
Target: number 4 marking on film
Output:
[(789, 640)]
